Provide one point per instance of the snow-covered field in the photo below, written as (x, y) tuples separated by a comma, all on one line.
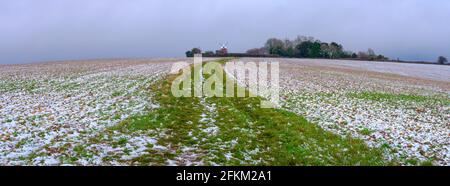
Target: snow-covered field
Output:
[(425, 71), (404, 108), (50, 111), (60, 113)]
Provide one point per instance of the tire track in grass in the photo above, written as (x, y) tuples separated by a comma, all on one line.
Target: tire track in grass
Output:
[(237, 131), (176, 123)]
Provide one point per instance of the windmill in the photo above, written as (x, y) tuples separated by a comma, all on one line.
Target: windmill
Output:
[(223, 50), (223, 45)]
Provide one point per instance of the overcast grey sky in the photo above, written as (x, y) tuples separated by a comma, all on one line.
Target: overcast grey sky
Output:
[(44, 30)]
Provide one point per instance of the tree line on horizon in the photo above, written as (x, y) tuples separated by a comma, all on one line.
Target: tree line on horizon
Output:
[(309, 47)]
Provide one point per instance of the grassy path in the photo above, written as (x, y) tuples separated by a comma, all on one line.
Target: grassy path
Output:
[(236, 131)]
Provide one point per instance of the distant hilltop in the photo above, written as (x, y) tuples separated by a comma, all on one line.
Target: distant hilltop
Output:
[(305, 47)]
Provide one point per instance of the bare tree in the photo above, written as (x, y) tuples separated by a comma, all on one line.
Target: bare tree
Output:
[(325, 50), (288, 43), (274, 46), (370, 52), (335, 49), (300, 39)]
